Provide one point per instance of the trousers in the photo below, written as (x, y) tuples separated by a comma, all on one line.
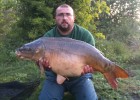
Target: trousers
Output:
[(82, 88)]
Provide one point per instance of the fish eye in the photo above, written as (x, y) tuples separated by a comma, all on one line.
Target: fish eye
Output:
[(28, 49)]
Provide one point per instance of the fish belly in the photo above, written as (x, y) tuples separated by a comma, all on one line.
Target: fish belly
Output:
[(68, 65)]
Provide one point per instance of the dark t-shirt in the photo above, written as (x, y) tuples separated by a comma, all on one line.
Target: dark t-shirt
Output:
[(78, 33)]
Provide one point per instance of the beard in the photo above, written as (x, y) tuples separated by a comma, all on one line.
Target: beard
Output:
[(64, 26)]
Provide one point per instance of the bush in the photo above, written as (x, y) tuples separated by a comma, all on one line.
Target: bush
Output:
[(8, 44), (114, 50), (135, 58)]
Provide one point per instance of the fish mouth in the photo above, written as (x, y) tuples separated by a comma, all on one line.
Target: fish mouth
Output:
[(18, 54), (22, 56)]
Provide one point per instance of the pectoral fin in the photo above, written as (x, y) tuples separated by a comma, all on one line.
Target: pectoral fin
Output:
[(41, 68), (60, 79)]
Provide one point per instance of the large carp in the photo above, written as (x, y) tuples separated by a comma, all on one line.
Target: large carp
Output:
[(67, 57)]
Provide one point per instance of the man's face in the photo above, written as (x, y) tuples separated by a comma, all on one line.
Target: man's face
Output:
[(64, 18)]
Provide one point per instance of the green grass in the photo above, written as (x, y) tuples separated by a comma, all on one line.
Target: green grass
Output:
[(20, 71)]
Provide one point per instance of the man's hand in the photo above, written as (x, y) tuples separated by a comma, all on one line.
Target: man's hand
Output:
[(87, 69), (44, 63)]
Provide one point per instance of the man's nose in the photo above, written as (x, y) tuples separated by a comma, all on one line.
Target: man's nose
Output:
[(65, 16)]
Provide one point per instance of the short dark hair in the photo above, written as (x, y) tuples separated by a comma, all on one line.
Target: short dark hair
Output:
[(64, 5)]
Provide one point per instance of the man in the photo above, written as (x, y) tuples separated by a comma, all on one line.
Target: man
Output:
[(81, 87)]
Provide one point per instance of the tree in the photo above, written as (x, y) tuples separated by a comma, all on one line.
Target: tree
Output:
[(120, 10), (7, 15), (99, 7), (35, 16)]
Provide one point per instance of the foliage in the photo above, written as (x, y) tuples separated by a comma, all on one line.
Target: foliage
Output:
[(124, 31), (120, 10), (123, 9), (115, 50), (135, 58), (98, 7), (36, 16), (134, 41), (7, 15), (82, 11)]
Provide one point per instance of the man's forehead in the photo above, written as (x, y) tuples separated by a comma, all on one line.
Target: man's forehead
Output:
[(64, 10)]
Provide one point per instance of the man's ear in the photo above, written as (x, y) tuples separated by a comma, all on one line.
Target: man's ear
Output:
[(74, 18)]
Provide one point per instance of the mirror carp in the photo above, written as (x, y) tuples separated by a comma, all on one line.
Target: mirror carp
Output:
[(67, 57)]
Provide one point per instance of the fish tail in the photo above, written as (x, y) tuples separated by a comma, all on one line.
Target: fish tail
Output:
[(120, 73), (116, 73), (111, 80)]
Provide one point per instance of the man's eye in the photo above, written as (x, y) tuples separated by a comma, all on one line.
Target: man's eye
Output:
[(62, 15), (68, 14)]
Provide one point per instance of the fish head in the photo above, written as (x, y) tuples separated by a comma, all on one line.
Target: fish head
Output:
[(31, 51)]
